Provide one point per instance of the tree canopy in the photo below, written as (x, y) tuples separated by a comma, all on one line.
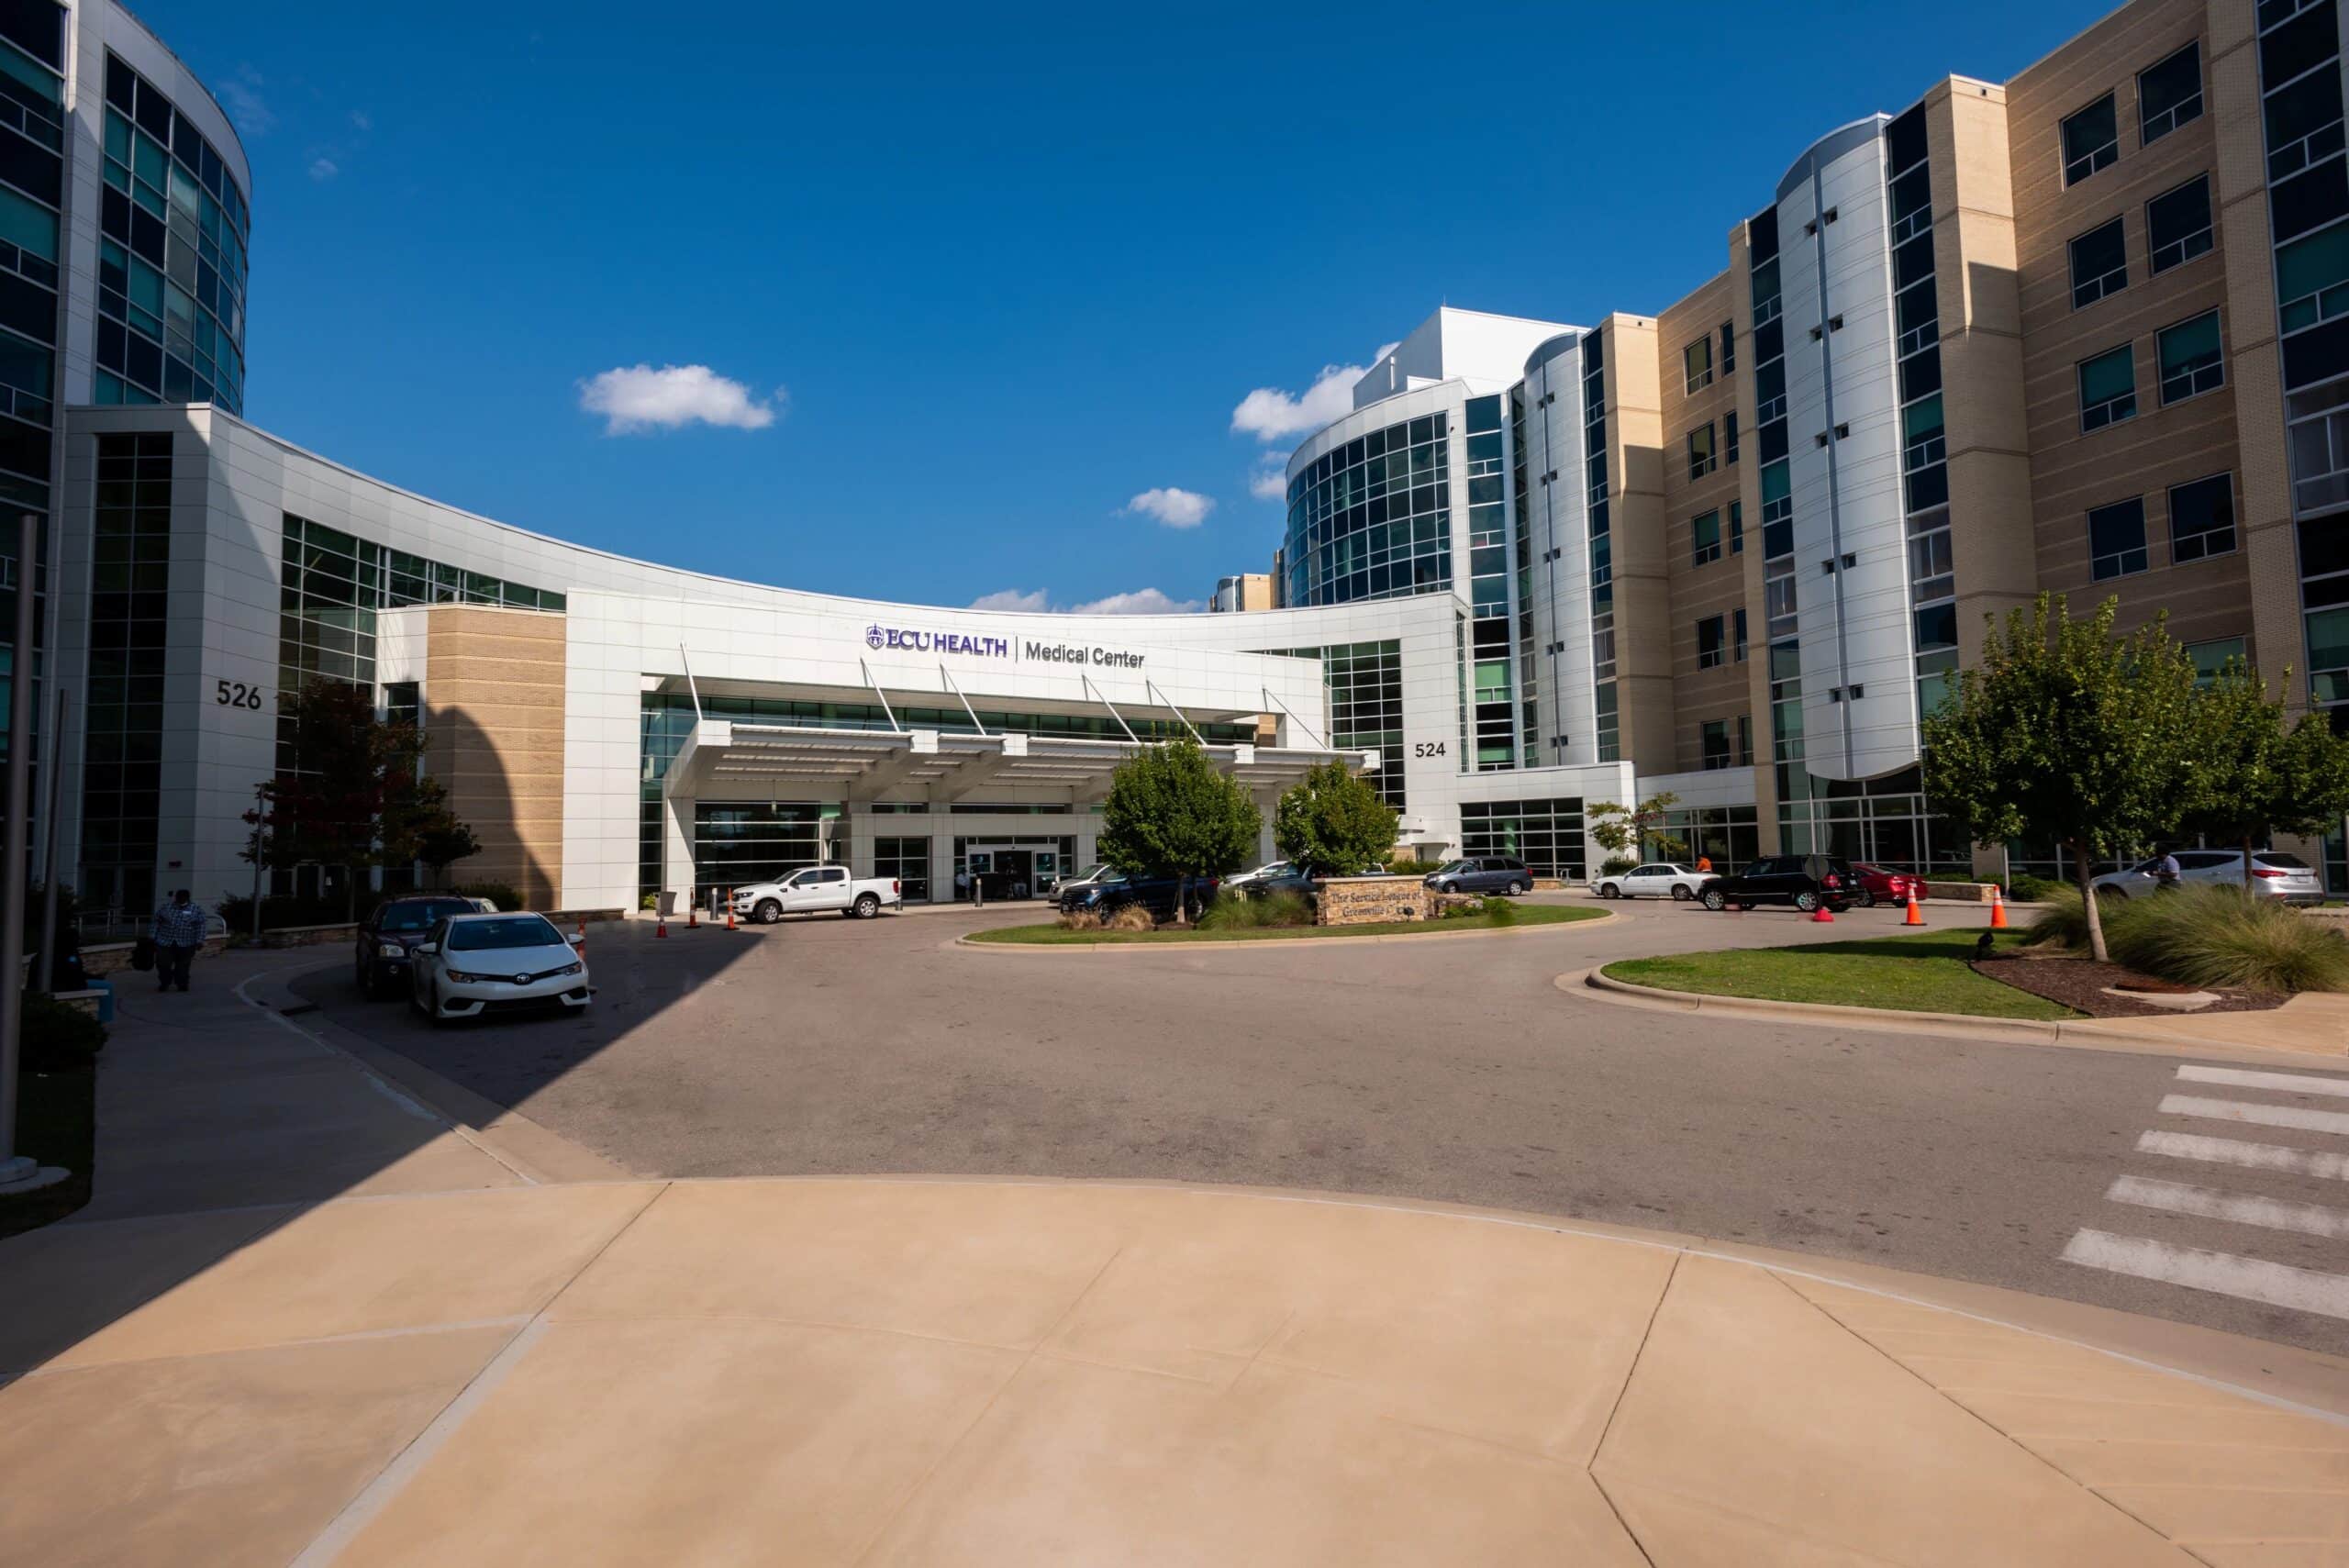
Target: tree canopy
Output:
[(1332, 822), (1633, 830), (2261, 775), (2070, 732), (1169, 813)]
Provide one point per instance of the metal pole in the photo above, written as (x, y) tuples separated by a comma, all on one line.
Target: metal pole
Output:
[(15, 1167), (49, 853), (261, 809)]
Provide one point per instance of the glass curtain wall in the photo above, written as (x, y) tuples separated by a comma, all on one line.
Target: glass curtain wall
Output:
[(123, 728), (1547, 834), (1372, 519), (1364, 682), (1602, 558)]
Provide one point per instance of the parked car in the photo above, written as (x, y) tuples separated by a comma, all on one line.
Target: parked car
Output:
[(2273, 874), (1245, 881), (1484, 874), (1883, 883), (1804, 881), (814, 890), (1114, 890), (485, 906), (1287, 878), (387, 936), (473, 964), (1662, 880)]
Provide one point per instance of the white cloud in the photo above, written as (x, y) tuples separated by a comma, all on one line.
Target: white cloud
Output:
[(1176, 508), (1268, 480), (638, 397), (240, 95), (323, 169), (363, 120), (1037, 602), (1141, 602), (1269, 414)]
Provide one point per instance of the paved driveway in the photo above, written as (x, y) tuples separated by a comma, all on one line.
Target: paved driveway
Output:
[(1445, 1069)]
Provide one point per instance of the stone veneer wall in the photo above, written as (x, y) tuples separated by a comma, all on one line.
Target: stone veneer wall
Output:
[(1369, 900)]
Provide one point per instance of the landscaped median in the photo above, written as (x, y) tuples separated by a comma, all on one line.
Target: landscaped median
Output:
[(1927, 972), (1516, 917)]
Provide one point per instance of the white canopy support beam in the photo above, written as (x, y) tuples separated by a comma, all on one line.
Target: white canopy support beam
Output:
[(983, 768), (1319, 743), (956, 687), (1104, 699), (889, 711), (889, 771), (1148, 687), (696, 690)]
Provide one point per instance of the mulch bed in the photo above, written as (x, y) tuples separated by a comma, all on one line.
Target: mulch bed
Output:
[(2078, 983)]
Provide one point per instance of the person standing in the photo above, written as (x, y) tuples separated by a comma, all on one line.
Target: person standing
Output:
[(179, 932)]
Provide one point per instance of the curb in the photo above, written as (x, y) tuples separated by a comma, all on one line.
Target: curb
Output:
[(965, 941), (2093, 1034)]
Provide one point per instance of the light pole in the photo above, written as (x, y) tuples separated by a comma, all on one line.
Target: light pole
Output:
[(48, 943), (16, 1170)]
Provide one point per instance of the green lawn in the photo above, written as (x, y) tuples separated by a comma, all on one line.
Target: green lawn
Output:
[(1920, 973), (1053, 936), (56, 1124)]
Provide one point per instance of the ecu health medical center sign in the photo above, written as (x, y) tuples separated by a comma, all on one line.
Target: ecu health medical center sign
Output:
[(929, 639)]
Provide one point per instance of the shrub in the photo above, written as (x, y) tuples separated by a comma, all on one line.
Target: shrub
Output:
[(58, 1038), (2204, 935), (649, 901), (1414, 867), (2036, 889), (1501, 911), (501, 894), (1131, 917), (1078, 921), (1616, 866), (1237, 912)]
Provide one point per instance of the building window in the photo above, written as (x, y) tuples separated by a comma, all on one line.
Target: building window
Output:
[(907, 860), (2177, 225), (2313, 278), (1729, 437), (1716, 744), (1696, 358), (1334, 552), (1737, 628), (1707, 539), (1729, 347), (403, 702), (2190, 361), (2099, 264), (2107, 388), (2303, 117), (2117, 539), (1701, 457), (2202, 518), (1547, 834), (2091, 140), (1709, 642), (1737, 527), (2211, 658), (2169, 95)]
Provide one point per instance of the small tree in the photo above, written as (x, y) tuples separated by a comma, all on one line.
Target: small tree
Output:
[(2261, 775), (2068, 730), (1169, 813), (358, 795), (1633, 830), (1333, 821)]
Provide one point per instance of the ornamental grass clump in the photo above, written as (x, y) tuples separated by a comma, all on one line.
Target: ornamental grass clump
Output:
[(1238, 912), (2208, 934)]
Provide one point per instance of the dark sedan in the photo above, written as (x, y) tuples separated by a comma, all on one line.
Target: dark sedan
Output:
[(387, 938)]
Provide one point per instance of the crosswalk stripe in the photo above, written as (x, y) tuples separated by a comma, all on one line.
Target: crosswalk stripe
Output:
[(2247, 1110), (2245, 1078), (2250, 1156), (2221, 1274), (2236, 1208)]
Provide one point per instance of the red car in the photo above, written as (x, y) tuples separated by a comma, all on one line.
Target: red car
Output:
[(1884, 884)]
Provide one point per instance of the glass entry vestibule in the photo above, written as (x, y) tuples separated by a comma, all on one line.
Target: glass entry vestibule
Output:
[(1026, 866)]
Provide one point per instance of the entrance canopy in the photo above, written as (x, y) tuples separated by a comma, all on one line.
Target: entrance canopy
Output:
[(727, 758)]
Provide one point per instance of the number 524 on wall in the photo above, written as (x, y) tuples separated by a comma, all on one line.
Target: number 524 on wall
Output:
[(236, 693)]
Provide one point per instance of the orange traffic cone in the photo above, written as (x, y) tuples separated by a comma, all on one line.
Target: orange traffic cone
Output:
[(692, 909), (660, 925), (1997, 910), (1822, 916), (729, 908), (1915, 919), (582, 936)]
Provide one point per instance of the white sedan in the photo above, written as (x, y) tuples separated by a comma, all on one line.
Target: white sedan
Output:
[(2273, 874), (1662, 880), (472, 965)]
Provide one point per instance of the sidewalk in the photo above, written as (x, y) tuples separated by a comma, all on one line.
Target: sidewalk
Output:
[(465, 1361)]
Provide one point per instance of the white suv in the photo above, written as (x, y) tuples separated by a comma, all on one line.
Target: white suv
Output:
[(2273, 874), (1662, 880)]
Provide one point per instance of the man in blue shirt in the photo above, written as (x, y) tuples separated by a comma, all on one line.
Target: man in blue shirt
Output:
[(179, 932)]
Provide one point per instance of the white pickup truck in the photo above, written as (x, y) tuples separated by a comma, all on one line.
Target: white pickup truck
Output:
[(815, 889)]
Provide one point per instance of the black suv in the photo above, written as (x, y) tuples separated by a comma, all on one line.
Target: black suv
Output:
[(387, 936), (1114, 890), (1804, 881)]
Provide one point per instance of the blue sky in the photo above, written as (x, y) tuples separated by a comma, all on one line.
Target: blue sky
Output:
[(976, 294)]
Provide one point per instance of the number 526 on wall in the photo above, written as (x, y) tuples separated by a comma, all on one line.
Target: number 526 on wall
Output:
[(236, 693)]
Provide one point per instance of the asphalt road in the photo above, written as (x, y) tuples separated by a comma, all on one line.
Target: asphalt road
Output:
[(1444, 1069)]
